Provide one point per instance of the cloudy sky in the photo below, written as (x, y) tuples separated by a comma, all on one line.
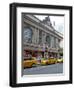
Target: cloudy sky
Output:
[(59, 22)]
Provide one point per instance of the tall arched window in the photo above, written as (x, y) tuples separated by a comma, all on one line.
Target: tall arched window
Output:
[(48, 40), (27, 35)]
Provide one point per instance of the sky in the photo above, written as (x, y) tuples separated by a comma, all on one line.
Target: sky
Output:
[(59, 22)]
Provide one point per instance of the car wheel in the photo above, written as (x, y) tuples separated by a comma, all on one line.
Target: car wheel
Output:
[(33, 65)]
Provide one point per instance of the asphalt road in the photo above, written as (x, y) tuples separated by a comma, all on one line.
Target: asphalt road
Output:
[(47, 69)]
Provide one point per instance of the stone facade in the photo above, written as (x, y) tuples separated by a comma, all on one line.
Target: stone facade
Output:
[(40, 34)]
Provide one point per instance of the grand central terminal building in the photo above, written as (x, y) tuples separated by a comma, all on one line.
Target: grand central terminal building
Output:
[(39, 37)]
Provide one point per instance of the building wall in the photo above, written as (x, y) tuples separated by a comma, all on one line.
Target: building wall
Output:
[(54, 39)]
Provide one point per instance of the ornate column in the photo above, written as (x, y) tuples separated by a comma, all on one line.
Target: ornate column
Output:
[(37, 36), (43, 37), (52, 42), (33, 36)]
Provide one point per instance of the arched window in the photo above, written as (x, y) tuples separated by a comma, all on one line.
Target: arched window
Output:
[(27, 35), (48, 40)]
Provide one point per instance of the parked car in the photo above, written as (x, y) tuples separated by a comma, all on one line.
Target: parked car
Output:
[(49, 61), (44, 61), (52, 61), (30, 62), (60, 60)]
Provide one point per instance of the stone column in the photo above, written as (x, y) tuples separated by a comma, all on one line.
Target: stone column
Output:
[(43, 38), (37, 31), (33, 36), (57, 43), (52, 42)]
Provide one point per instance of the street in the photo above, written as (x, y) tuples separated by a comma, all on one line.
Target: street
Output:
[(47, 69)]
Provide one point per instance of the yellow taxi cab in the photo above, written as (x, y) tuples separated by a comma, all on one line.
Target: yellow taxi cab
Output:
[(44, 61), (29, 63), (49, 61), (60, 60), (52, 61)]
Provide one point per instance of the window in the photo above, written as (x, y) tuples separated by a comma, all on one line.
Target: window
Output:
[(27, 35), (48, 40)]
